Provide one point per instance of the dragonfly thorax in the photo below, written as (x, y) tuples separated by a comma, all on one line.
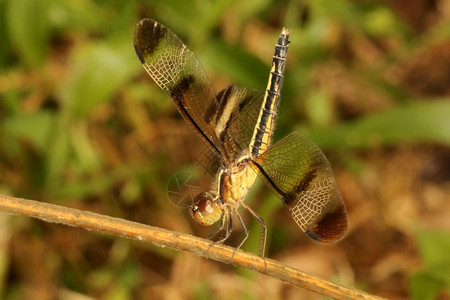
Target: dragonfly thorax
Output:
[(238, 124), (233, 183)]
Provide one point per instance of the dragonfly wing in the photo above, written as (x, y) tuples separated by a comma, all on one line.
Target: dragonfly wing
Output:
[(180, 75), (236, 118), (299, 173)]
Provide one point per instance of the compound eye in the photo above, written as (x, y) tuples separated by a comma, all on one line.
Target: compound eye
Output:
[(205, 210)]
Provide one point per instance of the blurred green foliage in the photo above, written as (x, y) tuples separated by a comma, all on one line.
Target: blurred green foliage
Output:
[(29, 29), (75, 120), (414, 122), (435, 274)]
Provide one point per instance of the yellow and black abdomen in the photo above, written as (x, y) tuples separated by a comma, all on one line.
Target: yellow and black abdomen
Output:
[(266, 121)]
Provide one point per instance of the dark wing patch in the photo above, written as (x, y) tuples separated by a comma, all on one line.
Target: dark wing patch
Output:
[(299, 173), (236, 118), (180, 75)]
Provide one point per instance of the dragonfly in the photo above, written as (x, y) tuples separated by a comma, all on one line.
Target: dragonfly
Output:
[(237, 124)]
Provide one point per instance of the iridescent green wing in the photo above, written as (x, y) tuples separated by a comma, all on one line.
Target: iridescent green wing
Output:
[(180, 75), (299, 173)]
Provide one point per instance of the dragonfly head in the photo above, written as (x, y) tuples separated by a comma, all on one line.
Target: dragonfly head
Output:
[(205, 210)]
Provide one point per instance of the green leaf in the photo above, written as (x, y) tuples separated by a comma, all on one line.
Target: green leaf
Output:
[(28, 28), (34, 129), (98, 72), (425, 121), (58, 150), (422, 287), (244, 69), (441, 270), (342, 11), (380, 21), (319, 108), (5, 44), (434, 249), (434, 246)]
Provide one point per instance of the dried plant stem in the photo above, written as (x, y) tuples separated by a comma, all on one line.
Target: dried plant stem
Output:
[(165, 238)]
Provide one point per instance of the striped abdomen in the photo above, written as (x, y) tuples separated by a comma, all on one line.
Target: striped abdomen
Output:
[(266, 121)]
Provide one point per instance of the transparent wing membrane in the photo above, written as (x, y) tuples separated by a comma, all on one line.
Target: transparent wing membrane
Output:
[(237, 124), (180, 75), (299, 173)]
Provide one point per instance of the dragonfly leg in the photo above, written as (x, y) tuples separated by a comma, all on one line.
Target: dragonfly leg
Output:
[(223, 226), (262, 245), (244, 239), (227, 225), (229, 228)]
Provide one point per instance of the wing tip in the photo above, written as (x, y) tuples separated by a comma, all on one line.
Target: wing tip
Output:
[(139, 54), (331, 227)]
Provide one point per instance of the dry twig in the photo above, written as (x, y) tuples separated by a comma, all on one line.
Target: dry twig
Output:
[(165, 238)]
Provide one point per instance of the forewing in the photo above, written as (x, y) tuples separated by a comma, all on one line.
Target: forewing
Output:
[(236, 118), (299, 173), (180, 75)]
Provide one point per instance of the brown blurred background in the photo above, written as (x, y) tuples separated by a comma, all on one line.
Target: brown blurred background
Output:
[(82, 125)]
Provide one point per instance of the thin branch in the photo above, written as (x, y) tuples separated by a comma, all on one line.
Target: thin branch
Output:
[(165, 238)]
